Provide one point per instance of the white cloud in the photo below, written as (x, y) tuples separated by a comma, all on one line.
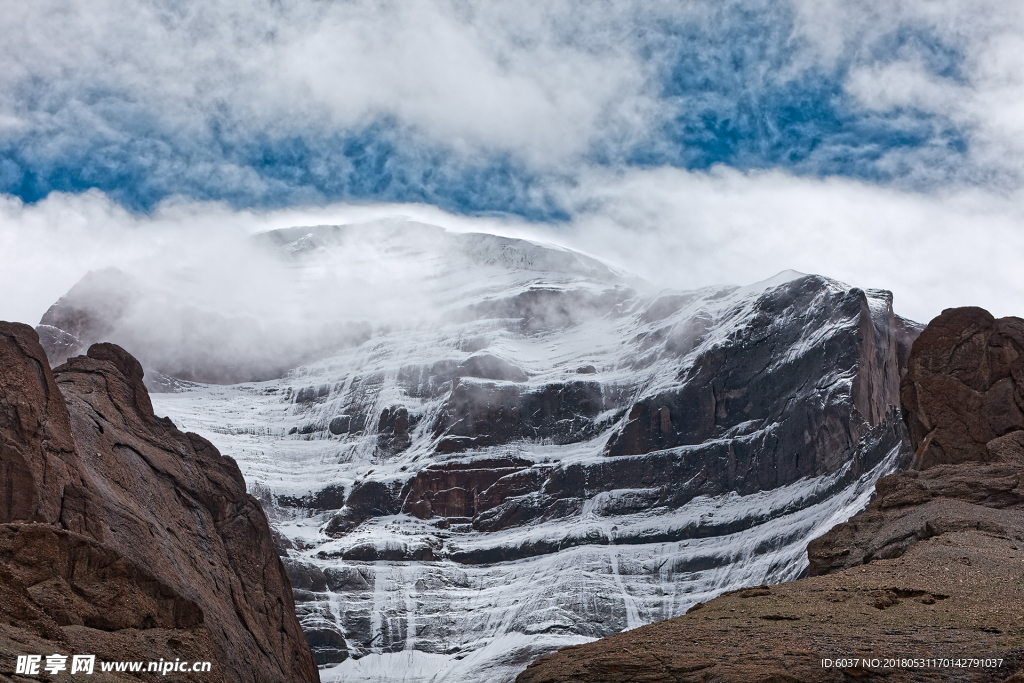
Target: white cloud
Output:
[(542, 81), (902, 85), (933, 250), (982, 94), (477, 76), (675, 228), (545, 82)]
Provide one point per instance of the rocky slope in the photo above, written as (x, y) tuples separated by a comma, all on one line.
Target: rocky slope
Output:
[(523, 447), (123, 537), (933, 569)]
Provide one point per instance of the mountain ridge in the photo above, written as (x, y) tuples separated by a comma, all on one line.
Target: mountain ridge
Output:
[(439, 456), (448, 489)]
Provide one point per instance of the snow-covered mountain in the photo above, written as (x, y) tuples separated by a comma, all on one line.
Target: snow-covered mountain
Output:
[(525, 448)]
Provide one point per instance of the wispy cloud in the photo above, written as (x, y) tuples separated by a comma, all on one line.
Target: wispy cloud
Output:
[(483, 106)]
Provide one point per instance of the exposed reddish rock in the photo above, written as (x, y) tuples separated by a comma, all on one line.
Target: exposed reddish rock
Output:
[(480, 414), (38, 460), (459, 490), (124, 537), (964, 385), (914, 506), (962, 398)]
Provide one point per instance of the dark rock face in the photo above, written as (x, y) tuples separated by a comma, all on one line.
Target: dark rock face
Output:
[(760, 410), (58, 344), (744, 417), (541, 308), (123, 537), (340, 425), (328, 498), (933, 564), (743, 386), (393, 429), (438, 378), (347, 424), (90, 310), (368, 499), (478, 414), (456, 490), (737, 388), (964, 385)]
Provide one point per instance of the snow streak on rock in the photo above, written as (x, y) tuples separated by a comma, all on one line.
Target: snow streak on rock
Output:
[(545, 452)]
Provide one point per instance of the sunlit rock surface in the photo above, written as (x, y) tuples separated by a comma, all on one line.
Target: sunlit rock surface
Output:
[(125, 538), (536, 450)]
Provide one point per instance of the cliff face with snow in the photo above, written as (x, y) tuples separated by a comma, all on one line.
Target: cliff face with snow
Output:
[(523, 448)]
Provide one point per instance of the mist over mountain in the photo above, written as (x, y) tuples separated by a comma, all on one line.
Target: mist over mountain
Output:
[(527, 447), (289, 297), (693, 142)]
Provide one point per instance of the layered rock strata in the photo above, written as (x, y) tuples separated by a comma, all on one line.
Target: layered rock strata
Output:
[(537, 449), (933, 569), (555, 456), (125, 538)]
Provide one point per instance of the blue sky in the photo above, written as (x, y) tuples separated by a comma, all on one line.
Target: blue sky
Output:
[(254, 103), (665, 134)]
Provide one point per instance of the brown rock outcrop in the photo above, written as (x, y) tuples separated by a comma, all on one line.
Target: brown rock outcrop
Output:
[(932, 569), (964, 385), (123, 537), (38, 459), (914, 506)]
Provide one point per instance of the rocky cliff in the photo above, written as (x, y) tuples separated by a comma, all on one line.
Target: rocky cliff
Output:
[(548, 451), (932, 569), (125, 538)]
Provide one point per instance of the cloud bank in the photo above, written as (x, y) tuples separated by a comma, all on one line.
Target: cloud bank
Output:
[(693, 142), (962, 248)]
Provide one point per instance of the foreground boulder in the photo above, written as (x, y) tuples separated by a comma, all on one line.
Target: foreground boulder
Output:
[(964, 386), (122, 537), (932, 570)]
